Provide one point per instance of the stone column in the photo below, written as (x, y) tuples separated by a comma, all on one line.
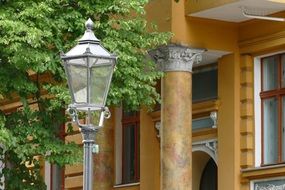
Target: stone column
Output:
[(176, 115)]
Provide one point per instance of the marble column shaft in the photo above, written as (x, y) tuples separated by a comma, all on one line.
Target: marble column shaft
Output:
[(176, 142)]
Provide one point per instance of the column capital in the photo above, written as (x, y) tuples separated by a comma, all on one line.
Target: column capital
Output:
[(174, 57)]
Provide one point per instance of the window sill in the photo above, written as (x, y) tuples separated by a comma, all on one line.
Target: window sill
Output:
[(127, 185), (263, 172)]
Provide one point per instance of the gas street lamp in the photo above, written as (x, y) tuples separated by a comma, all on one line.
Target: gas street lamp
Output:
[(89, 68)]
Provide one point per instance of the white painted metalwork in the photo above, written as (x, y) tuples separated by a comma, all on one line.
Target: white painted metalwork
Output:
[(210, 147)]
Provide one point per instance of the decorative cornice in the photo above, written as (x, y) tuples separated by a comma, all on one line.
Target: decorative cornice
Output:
[(262, 43), (175, 57)]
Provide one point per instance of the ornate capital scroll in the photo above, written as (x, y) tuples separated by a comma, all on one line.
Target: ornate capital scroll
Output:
[(175, 57)]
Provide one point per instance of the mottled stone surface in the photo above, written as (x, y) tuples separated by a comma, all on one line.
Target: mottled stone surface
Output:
[(104, 161), (176, 142)]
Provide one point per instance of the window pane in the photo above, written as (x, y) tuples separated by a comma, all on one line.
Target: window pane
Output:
[(129, 154), (283, 71), (270, 74), (283, 128), (270, 131), (202, 123), (205, 83)]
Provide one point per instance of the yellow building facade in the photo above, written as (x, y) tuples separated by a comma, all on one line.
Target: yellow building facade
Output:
[(234, 139)]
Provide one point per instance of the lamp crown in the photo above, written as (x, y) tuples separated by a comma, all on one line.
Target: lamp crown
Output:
[(89, 36)]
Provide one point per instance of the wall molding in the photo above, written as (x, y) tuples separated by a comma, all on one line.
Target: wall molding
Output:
[(262, 43)]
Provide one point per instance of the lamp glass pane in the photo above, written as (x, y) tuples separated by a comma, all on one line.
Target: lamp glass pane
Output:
[(100, 79), (78, 81)]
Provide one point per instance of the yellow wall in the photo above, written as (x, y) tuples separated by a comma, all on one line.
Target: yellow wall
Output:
[(192, 6), (259, 37), (228, 133), (202, 33), (159, 13), (255, 28), (150, 154)]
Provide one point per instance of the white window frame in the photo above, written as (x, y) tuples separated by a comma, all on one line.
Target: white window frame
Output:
[(47, 175), (257, 106), (257, 110), (118, 146)]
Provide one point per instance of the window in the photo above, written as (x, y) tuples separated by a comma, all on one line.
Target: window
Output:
[(130, 160), (202, 123), (272, 109), (270, 183), (205, 83), (57, 177)]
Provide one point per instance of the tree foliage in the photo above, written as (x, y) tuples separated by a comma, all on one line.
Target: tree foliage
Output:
[(32, 35)]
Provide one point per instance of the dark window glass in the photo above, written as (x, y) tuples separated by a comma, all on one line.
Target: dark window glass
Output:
[(202, 123), (131, 151), (205, 83)]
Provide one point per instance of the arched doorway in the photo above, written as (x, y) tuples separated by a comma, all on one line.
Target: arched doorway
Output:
[(204, 171), (209, 176)]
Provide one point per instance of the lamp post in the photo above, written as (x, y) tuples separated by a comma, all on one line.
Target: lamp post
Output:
[(89, 68)]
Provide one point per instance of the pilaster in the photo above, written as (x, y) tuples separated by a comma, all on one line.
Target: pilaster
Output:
[(246, 112)]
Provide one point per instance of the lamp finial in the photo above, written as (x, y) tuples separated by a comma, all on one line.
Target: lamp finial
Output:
[(89, 24)]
